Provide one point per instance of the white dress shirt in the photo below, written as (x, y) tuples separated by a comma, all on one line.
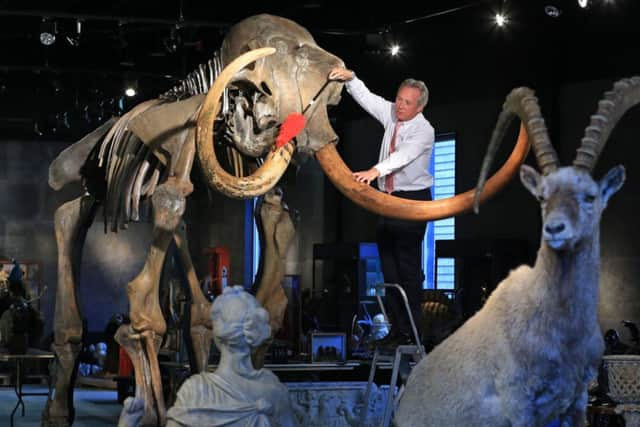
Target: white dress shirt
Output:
[(414, 141)]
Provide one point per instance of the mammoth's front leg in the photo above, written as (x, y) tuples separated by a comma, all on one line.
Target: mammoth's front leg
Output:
[(201, 326), (141, 339)]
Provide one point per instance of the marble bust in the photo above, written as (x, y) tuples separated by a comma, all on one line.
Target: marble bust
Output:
[(235, 394)]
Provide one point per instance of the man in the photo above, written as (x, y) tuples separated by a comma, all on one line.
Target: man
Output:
[(402, 170)]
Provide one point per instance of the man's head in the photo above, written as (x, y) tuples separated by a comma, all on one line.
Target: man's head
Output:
[(411, 99)]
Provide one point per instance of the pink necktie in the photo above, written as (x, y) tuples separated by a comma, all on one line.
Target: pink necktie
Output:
[(388, 180)]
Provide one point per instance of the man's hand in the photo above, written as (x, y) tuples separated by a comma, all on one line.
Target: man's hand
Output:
[(366, 176), (341, 74)]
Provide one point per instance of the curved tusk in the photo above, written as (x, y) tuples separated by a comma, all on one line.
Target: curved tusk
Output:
[(276, 162), (395, 207)]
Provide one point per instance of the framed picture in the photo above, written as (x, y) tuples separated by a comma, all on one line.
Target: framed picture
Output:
[(328, 347), (31, 277)]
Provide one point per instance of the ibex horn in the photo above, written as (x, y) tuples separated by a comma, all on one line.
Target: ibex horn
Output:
[(624, 95), (521, 102)]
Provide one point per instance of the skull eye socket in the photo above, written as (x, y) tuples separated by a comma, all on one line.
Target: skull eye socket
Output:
[(265, 88)]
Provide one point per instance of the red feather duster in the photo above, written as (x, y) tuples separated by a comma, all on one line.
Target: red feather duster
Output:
[(291, 127)]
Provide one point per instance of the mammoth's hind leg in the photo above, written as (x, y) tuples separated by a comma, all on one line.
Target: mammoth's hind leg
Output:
[(141, 339), (200, 318), (277, 234), (72, 220)]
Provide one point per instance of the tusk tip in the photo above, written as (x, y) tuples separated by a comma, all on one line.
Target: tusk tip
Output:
[(476, 203)]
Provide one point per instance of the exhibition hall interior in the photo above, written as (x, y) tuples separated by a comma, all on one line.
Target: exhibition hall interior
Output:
[(320, 213)]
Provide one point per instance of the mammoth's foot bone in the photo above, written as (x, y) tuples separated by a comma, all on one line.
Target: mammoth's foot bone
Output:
[(142, 348), (202, 337), (59, 411)]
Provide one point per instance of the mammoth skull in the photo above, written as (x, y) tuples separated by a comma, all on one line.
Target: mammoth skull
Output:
[(286, 81), (273, 67)]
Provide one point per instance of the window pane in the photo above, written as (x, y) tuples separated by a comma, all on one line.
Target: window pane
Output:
[(445, 160), (443, 169)]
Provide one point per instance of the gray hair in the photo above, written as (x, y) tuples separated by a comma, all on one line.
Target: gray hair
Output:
[(239, 319), (418, 84)]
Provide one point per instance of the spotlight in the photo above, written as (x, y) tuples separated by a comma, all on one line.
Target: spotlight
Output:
[(62, 120), (552, 11), (36, 128), (65, 120), (501, 20), (394, 50), (74, 40), (57, 85), (130, 88), (375, 43), (172, 43), (583, 3), (48, 32)]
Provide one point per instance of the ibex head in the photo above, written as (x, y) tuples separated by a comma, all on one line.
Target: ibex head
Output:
[(571, 200)]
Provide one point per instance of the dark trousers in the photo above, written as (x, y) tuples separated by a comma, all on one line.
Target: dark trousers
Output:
[(400, 248)]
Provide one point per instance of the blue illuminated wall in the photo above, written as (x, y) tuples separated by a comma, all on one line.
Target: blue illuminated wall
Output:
[(440, 272)]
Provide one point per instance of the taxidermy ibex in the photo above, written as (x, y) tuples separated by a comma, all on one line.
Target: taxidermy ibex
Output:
[(526, 358), (272, 68)]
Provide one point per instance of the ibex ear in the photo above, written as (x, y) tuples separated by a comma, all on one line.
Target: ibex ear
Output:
[(611, 183), (530, 179)]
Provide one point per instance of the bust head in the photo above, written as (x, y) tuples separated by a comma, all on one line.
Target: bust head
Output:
[(238, 319)]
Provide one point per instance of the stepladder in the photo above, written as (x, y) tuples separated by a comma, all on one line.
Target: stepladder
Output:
[(402, 356)]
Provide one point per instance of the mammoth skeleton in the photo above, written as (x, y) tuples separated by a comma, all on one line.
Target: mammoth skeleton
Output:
[(268, 67)]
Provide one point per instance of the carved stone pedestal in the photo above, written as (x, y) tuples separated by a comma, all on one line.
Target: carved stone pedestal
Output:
[(336, 404)]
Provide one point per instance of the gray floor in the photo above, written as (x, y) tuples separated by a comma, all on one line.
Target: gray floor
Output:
[(94, 407)]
